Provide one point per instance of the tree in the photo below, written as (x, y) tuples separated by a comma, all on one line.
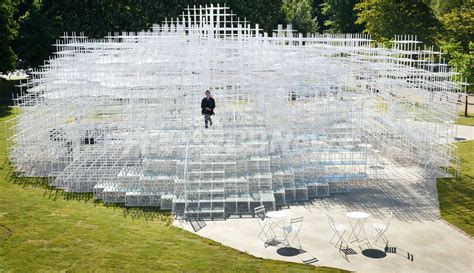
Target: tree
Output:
[(457, 41), (458, 25), (320, 17), (43, 21), (384, 19), (8, 31), (341, 17), (39, 29), (299, 14), (267, 13), (441, 7)]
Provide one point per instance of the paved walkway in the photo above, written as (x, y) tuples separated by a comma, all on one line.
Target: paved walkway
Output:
[(465, 132), (416, 229)]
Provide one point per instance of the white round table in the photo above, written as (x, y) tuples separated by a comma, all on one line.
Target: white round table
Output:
[(357, 215), (276, 214), (357, 220)]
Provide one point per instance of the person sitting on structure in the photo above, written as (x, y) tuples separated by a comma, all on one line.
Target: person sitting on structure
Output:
[(207, 107)]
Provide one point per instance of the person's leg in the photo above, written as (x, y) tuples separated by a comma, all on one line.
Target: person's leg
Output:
[(210, 120), (206, 119)]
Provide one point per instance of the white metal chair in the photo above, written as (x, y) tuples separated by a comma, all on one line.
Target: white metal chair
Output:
[(293, 228), (381, 228), (263, 222), (339, 230)]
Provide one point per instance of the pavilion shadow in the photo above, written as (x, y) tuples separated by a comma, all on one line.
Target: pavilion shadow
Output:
[(410, 194), (5, 110), (197, 224), (147, 213)]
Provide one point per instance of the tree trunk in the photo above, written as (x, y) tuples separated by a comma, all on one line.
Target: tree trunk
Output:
[(466, 106)]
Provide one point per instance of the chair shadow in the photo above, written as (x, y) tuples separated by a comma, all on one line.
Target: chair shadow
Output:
[(303, 255), (348, 251), (390, 249), (376, 253)]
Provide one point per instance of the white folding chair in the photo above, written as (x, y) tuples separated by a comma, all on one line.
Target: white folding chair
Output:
[(339, 230), (293, 229), (381, 228), (263, 222)]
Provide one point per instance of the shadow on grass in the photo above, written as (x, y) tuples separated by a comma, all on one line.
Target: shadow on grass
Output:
[(5, 110), (147, 213), (5, 234)]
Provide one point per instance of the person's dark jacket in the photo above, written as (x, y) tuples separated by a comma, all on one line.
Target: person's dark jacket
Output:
[(208, 103)]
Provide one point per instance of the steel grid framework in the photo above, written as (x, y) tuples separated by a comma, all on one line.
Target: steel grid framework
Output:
[(297, 117)]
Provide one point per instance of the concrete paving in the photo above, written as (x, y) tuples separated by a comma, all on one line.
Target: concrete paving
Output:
[(416, 229), (464, 132)]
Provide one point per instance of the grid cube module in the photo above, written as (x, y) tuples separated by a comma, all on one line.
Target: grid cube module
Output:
[(297, 117)]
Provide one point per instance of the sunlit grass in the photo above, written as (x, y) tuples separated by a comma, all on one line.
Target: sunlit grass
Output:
[(456, 195), (463, 120)]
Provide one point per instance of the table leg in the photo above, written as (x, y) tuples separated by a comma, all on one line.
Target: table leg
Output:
[(273, 224), (354, 233), (361, 230)]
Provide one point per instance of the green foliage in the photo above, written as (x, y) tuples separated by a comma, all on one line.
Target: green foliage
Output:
[(299, 14), (384, 19), (320, 17), (267, 13), (459, 26), (38, 31), (441, 7), (29, 27), (457, 40), (43, 21), (341, 16), (456, 195), (8, 31), (460, 60)]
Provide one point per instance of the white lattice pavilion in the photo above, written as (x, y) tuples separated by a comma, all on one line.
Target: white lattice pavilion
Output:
[(297, 117)]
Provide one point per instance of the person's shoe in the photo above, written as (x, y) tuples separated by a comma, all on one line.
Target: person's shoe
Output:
[(206, 126)]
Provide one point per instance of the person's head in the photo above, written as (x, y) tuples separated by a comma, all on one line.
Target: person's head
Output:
[(208, 93)]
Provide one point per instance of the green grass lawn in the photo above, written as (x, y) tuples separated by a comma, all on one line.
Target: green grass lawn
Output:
[(462, 120), (456, 195), (47, 230)]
